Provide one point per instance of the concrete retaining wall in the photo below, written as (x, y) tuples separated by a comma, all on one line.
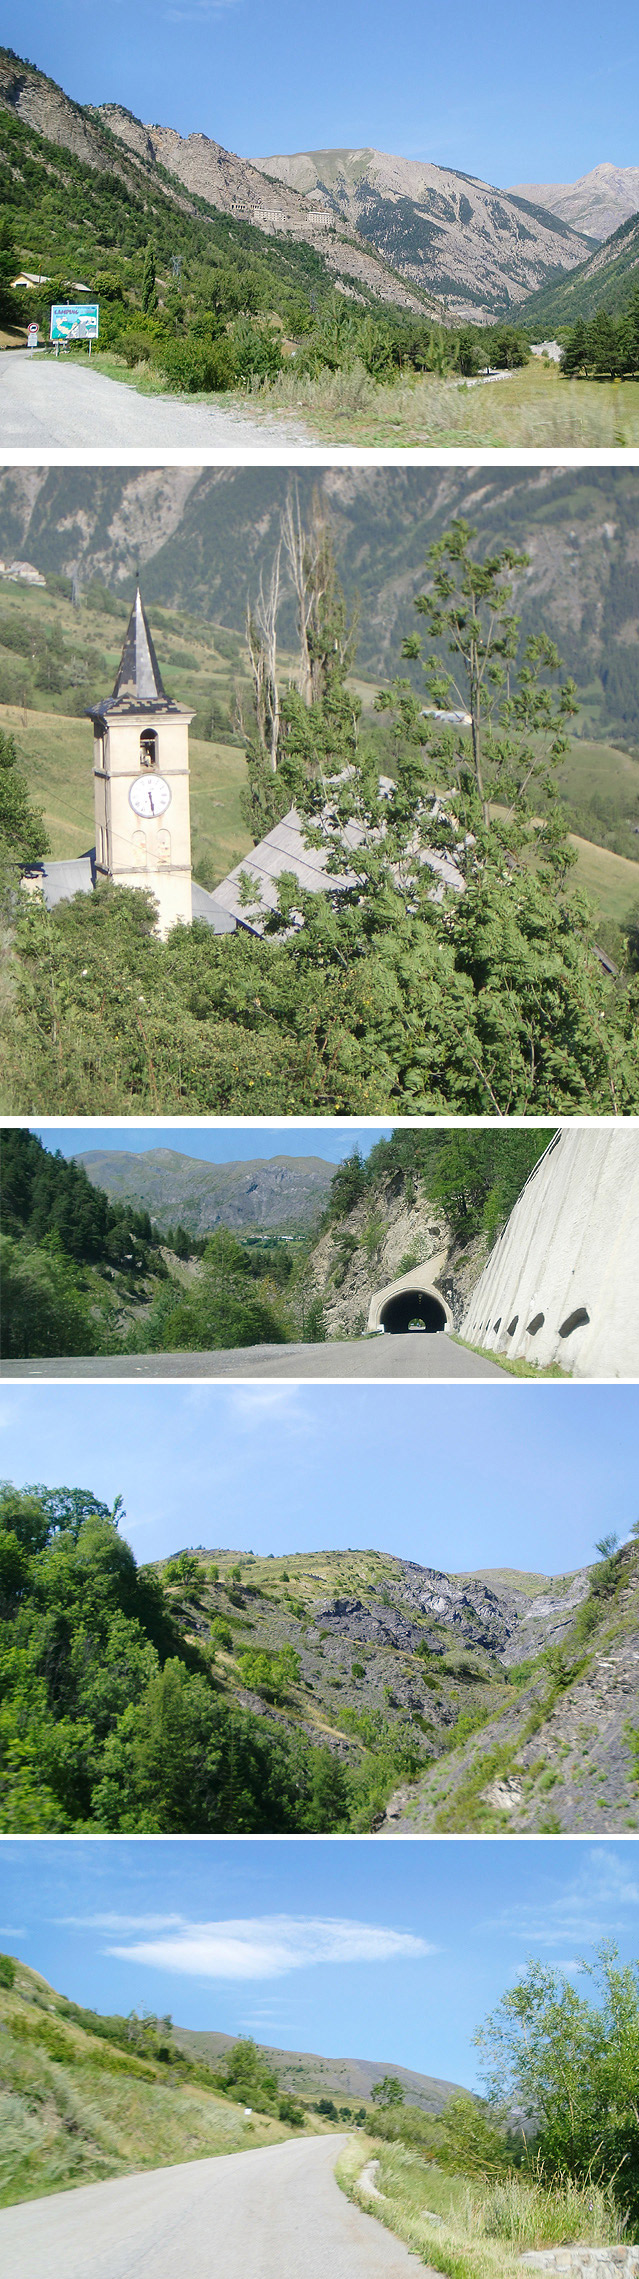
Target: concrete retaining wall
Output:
[(562, 1283), (586, 2262)]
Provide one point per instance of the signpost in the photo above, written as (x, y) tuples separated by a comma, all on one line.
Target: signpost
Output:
[(79, 321), (33, 334)]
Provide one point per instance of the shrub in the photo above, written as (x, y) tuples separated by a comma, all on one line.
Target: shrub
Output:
[(7, 1970), (221, 1634), (194, 367)]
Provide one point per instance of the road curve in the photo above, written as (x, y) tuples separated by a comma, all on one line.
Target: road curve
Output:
[(385, 1359), (273, 2214), (44, 401)]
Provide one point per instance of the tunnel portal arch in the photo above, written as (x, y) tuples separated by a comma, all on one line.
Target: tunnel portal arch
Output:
[(411, 1301), (413, 1309)]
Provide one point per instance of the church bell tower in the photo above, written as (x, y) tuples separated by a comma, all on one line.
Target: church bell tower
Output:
[(141, 780)]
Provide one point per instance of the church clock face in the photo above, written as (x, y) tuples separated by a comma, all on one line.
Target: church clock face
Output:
[(151, 795)]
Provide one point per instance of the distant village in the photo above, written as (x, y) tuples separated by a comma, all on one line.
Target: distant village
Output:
[(22, 573)]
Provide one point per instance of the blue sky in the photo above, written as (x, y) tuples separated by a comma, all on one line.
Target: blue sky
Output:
[(539, 96), (231, 1144), (390, 1951), (504, 1473)]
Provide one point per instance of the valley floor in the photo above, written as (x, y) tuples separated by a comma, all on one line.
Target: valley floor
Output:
[(49, 402)]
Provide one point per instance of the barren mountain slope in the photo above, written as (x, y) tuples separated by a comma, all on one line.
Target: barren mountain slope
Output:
[(563, 1753), (484, 250), (595, 205), (111, 141), (232, 184), (384, 1642), (43, 105)]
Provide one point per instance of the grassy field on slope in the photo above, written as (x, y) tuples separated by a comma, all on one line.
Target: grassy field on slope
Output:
[(74, 2109)]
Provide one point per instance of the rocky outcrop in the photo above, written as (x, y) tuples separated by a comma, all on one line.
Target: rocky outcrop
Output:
[(391, 1231)]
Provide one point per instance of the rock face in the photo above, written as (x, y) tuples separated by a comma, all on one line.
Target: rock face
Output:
[(387, 1238), (547, 1667), (233, 185), (562, 1282), (595, 205), (482, 249), (562, 1754), (282, 1195)]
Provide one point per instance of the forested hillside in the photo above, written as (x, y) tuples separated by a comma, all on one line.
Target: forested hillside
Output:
[(204, 536), (215, 1692)]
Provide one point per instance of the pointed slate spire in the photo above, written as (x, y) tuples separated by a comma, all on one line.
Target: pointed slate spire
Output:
[(139, 678)]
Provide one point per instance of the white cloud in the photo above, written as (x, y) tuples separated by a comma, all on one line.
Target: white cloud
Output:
[(254, 1404), (268, 1946), (592, 1905)]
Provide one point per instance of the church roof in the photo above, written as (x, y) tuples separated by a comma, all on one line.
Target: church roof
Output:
[(138, 684)]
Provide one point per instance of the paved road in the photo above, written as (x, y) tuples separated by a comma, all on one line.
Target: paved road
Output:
[(44, 401), (272, 2214), (413, 1356)]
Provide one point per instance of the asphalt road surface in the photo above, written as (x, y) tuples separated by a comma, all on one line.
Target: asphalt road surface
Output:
[(273, 2214), (415, 1355), (46, 401)]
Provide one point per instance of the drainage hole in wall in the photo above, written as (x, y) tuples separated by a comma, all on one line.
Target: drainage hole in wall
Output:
[(536, 1323), (513, 1325), (576, 1320)]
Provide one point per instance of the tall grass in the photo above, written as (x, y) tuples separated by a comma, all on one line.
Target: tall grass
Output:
[(531, 407), (476, 2228), (87, 2115)]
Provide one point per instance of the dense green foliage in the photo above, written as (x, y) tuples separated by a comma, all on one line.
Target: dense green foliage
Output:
[(108, 1720), (249, 2079), (605, 347), (571, 2066), (112, 1720), (44, 1194), (232, 1302), (476, 1176), (53, 1224), (23, 838)]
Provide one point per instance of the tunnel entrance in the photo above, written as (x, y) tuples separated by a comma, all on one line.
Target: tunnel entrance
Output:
[(413, 1309)]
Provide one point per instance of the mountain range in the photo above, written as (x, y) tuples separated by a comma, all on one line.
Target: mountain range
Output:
[(426, 238), (595, 205), (308, 2075), (204, 536), (482, 250), (281, 1195)]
